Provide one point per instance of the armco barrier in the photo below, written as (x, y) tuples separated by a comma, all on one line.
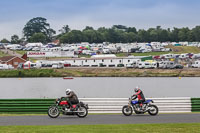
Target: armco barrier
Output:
[(114, 105), (195, 104), (96, 105), (25, 105)]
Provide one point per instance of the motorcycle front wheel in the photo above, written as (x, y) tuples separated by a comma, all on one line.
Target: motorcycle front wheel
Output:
[(83, 112), (127, 111), (153, 110), (53, 112)]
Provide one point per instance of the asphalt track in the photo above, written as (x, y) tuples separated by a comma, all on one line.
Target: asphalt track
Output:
[(99, 119)]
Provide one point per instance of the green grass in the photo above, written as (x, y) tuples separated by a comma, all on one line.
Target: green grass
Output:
[(22, 52), (123, 128), (142, 54), (175, 50), (29, 73), (3, 54), (184, 49)]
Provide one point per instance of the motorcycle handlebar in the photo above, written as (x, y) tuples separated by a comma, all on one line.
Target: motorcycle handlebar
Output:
[(133, 97)]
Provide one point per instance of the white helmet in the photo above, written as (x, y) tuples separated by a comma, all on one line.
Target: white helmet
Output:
[(137, 89), (68, 91)]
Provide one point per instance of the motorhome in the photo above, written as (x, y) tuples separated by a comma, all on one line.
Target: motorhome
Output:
[(196, 64), (57, 65), (147, 65), (166, 64), (183, 56)]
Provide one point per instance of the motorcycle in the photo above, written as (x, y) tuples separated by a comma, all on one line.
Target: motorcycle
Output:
[(61, 105), (147, 106)]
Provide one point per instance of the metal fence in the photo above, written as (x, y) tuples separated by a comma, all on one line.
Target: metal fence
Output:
[(114, 105), (99, 105)]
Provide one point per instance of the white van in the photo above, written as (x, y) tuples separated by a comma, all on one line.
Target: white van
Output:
[(196, 64)]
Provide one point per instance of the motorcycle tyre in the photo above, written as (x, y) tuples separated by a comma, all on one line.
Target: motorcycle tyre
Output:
[(55, 115), (131, 110), (82, 116), (153, 114)]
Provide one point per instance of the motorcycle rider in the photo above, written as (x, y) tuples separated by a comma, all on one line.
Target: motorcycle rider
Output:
[(139, 94), (71, 98)]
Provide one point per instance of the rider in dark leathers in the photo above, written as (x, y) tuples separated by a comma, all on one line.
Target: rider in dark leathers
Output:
[(139, 94), (71, 98)]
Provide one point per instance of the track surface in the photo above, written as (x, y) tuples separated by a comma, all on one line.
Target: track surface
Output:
[(99, 119)]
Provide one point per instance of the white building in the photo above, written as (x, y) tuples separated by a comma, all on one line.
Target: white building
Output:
[(102, 62)]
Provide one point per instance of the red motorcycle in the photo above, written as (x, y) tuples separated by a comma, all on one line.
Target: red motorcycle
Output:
[(62, 106)]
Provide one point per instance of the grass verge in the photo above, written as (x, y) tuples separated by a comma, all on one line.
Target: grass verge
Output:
[(100, 72), (123, 128), (3, 54)]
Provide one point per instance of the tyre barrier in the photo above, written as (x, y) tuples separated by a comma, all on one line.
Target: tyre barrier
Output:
[(100, 105)]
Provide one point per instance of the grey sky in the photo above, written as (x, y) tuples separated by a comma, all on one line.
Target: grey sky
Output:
[(141, 14)]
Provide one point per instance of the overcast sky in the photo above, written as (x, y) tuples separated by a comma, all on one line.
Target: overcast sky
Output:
[(142, 14)]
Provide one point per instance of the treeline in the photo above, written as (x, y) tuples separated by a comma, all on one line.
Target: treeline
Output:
[(38, 30), (123, 34)]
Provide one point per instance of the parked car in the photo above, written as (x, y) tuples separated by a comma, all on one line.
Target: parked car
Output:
[(131, 65), (177, 66), (57, 65), (120, 65)]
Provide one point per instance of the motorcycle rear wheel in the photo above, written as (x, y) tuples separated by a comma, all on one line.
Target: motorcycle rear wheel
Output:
[(82, 114), (127, 111), (153, 110), (53, 112)]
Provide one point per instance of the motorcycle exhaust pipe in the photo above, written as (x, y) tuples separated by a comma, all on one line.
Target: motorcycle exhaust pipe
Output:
[(74, 111)]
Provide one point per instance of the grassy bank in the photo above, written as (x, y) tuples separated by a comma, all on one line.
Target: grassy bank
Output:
[(100, 72), (3, 54), (175, 50), (29, 73), (123, 128)]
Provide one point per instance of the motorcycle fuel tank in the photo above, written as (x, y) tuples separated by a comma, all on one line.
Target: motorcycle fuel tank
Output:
[(134, 102), (63, 103)]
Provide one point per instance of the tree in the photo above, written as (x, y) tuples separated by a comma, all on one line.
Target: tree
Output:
[(88, 28), (132, 37), (65, 29), (15, 39), (75, 36), (183, 34), (38, 25), (174, 35), (4, 41), (131, 29), (196, 33), (90, 35), (119, 27), (143, 36), (38, 37)]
